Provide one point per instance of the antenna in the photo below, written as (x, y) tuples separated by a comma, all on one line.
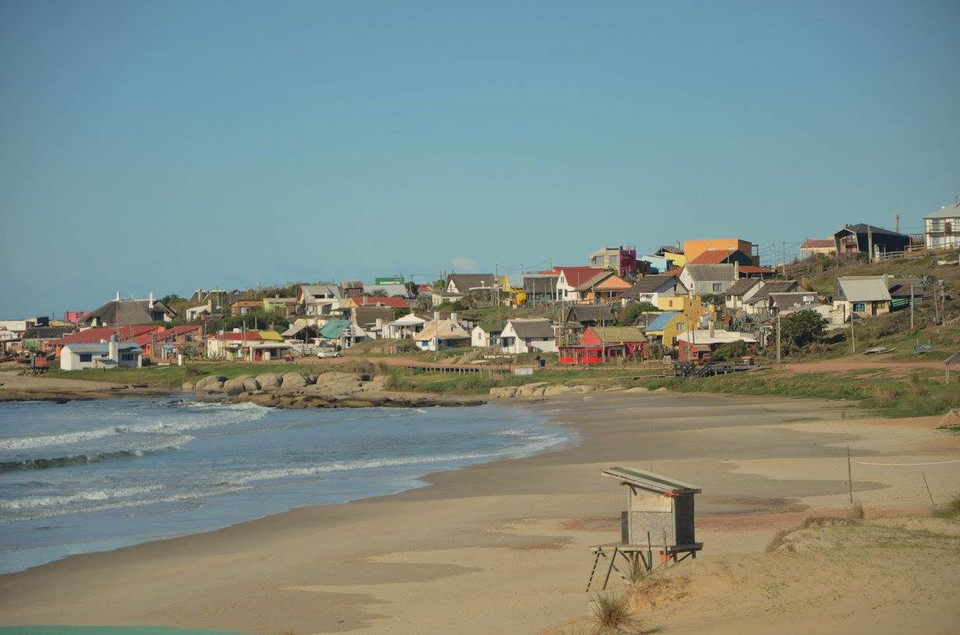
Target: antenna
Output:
[(896, 219)]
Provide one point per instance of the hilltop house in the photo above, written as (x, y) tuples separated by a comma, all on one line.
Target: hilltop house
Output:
[(319, 299), (761, 302), (693, 249), (604, 287), (709, 279), (811, 246), (650, 289), (741, 292), (528, 336), (540, 287), (129, 313), (854, 239), (570, 279), (243, 307), (861, 295), (942, 228), (284, 306), (622, 260), (467, 283)]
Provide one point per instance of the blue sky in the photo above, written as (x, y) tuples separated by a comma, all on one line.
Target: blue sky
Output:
[(165, 146)]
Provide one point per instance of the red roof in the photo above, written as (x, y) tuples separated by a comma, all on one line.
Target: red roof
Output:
[(752, 269), (818, 243), (168, 334), (712, 257), (230, 336), (577, 275), (94, 335), (392, 302)]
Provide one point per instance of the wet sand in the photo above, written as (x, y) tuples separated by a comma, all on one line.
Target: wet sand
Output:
[(502, 547)]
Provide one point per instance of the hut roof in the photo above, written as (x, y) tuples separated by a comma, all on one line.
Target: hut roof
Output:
[(650, 481)]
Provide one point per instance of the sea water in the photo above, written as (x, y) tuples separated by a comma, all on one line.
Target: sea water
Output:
[(96, 475)]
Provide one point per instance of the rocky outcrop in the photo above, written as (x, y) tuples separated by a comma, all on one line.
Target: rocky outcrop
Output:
[(293, 381), (269, 381)]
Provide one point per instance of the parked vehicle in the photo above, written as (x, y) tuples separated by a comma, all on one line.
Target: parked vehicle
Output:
[(328, 351)]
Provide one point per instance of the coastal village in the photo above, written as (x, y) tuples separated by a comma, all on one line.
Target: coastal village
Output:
[(704, 306)]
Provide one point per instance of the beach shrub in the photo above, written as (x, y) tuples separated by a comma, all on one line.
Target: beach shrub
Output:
[(612, 613)]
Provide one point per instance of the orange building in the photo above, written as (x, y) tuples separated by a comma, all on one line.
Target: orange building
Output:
[(694, 248)]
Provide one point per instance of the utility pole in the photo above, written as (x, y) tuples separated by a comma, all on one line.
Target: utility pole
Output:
[(778, 337), (783, 254), (911, 307), (853, 337), (870, 243)]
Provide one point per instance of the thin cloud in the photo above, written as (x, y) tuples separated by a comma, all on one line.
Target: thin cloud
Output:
[(462, 264)]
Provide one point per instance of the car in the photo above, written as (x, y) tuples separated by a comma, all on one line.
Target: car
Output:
[(328, 351)]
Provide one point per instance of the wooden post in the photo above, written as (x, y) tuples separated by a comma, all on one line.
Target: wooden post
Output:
[(933, 505), (849, 475), (649, 553)]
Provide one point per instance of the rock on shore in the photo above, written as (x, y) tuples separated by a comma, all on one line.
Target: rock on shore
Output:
[(328, 390)]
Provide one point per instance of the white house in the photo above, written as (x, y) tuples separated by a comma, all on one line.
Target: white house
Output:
[(103, 355), (440, 334), (403, 328), (570, 279), (651, 288), (486, 335), (528, 336), (709, 279), (319, 299), (942, 228)]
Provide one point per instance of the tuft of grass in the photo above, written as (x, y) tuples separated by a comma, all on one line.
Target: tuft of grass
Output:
[(856, 510), (949, 510), (612, 613)]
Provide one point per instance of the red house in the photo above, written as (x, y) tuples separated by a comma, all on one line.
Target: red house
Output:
[(603, 343)]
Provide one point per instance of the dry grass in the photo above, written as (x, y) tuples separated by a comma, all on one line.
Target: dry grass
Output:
[(612, 613)]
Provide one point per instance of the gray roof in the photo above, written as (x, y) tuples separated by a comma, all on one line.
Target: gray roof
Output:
[(710, 273), (652, 284), (317, 290), (793, 299), (900, 287), (128, 313), (532, 328), (650, 481), (743, 285), (592, 313), (863, 289), (774, 286), (466, 281), (368, 315), (950, 211), (541, 283)]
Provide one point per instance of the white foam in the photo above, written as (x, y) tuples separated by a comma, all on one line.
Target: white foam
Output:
[(34, 502)]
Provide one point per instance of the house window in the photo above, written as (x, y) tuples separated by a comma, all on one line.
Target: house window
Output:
[(86, 357), (717, 287), (859, 307)]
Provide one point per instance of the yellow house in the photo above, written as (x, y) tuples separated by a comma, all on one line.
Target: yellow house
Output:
[(674, 303), (666, 327)]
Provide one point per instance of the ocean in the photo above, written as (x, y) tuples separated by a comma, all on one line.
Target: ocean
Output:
[(97, 475)]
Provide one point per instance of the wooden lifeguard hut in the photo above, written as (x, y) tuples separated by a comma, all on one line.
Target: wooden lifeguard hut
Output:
[(659, 516)]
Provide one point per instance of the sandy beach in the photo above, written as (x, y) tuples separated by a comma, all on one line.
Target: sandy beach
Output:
[(503, 547)]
